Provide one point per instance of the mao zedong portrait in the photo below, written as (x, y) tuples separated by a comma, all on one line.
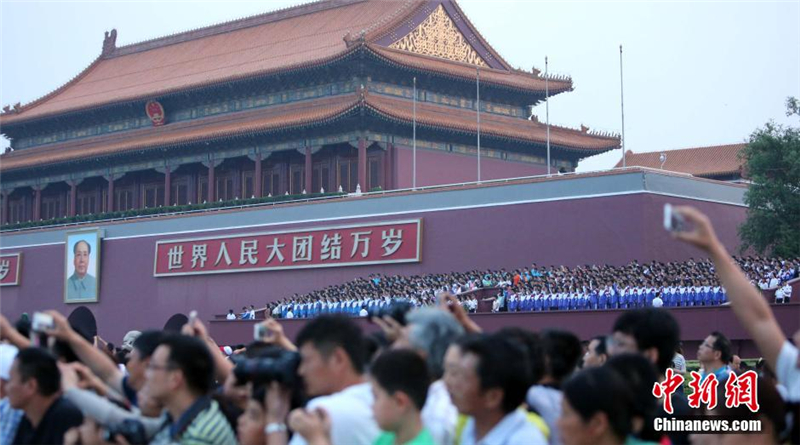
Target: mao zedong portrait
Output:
[(81, 285)]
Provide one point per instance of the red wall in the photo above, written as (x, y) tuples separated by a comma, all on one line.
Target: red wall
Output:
[(613, 229), (437, 167)]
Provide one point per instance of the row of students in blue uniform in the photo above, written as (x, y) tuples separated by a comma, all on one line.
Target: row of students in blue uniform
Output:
[(611, 298), (350, 307)]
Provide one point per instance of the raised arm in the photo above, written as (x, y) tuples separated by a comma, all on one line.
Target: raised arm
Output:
[(97, 360), (222, 366), (7, 332), (749, 305)]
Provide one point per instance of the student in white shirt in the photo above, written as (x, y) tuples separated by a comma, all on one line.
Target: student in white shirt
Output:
[(657, 301), (748, 305), (786, 293), (774, 282)]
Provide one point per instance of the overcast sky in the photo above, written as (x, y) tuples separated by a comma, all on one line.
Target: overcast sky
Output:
[(695, 73)]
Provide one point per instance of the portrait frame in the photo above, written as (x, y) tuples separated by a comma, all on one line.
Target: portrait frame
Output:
[(93, 238)]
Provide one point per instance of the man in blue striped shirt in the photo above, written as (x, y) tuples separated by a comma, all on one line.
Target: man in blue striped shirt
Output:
[(180, 376)]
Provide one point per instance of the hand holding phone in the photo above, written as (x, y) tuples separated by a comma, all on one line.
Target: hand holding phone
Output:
[(192, 318), (673, 221), (42, 323)]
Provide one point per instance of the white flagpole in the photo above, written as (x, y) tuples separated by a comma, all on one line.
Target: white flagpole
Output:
[(478, 95), (622, 106), (547, 111), (414, 140)]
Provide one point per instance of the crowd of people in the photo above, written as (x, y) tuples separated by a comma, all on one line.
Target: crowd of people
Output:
[(535, 288), (429, 377)]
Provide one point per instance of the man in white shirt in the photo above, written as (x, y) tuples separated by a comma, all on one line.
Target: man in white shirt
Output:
[(657, 301), (786, 293), (774, 281), (491, 398), (332, 366)]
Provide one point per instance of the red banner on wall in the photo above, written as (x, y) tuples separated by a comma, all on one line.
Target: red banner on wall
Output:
[(352, 245), (9, 269)]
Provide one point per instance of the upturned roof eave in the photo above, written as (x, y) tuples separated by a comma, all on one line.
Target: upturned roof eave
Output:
[(15, 119)]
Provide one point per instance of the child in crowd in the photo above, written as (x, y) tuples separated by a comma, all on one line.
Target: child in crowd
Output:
[(400, 386)]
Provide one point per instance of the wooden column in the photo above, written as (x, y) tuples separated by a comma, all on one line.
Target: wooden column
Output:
[(192, 189), (110, 205), (257, 186), (211, 183), (387, 167), (73, 198), (287, 175), (137, 192), (37, 203), (212, 186), (5, 196), (362, 164), (238, 190), (167, 186), (309, 171)]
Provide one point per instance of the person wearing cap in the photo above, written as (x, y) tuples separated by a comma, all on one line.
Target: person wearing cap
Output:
[(9, 417)]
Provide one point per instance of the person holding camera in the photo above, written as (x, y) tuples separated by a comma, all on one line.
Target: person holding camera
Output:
[(102, 365), (332, 366)]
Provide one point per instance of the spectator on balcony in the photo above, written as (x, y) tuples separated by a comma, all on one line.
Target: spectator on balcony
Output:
[(783, 294), (657, 301), (231, 315)]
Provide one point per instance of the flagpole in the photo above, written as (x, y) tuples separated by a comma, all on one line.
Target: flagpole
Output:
[(622, 106), (414, 140), (547, 111), (478, 95)]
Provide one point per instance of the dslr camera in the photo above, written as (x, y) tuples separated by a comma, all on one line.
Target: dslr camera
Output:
[(131, 429), (397, 309), (281, 368)]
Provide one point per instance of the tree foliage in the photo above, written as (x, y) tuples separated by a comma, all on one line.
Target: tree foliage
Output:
[(772, 163)]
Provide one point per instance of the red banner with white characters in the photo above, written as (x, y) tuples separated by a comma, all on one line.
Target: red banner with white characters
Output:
[(350, 245), (9, 269)]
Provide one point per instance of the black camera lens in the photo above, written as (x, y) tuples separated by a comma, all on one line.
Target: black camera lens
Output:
[(281, 369), (131, 429)]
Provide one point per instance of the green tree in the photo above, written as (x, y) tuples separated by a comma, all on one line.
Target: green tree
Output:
[(772, 163)]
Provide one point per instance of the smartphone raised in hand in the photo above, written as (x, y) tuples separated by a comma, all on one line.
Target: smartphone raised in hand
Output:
[(192, 318), (673, 222), (42, 323)]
